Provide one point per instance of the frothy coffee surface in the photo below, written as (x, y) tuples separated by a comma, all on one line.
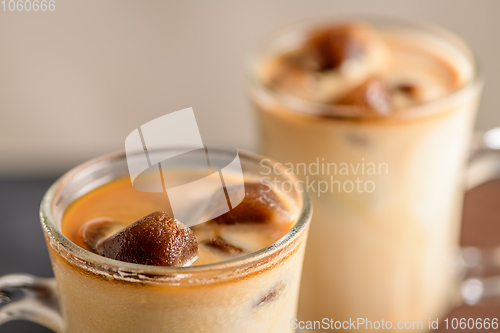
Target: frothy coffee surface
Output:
[(375, 72), (122, 223)]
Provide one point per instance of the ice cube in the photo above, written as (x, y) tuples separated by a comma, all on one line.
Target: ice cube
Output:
[(271, 295), (372, 97), (156, 239), (97, 229), (220, 245), (260, 205)]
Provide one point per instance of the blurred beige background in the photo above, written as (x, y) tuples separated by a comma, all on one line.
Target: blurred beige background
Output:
[(75, 82)]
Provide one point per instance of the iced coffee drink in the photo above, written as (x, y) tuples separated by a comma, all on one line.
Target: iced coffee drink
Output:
[(375, 118), (126, 264)]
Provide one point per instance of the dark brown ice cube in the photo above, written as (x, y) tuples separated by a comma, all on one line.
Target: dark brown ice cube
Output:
[(260, 205), (157, 239), (271, 295), (333, 46), (222, 246), (97, 229), (372, 97), (410, 89)]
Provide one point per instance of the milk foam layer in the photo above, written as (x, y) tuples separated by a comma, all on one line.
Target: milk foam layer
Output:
[(414, 69), (119, 201)]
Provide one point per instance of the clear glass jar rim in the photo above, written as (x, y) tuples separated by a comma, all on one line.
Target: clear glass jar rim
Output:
[(309, 108), (55, 234)]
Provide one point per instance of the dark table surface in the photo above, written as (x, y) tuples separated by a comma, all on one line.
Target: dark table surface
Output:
[(22, 246)]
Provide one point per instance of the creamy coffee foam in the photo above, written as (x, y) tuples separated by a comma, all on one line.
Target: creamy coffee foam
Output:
[(381, 71), (121, 223)]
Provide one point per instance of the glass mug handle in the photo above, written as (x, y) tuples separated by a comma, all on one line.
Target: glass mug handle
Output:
[(31, 298), (484, 165)]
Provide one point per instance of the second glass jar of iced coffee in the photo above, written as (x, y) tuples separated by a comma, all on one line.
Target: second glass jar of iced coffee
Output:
[(375, 118)]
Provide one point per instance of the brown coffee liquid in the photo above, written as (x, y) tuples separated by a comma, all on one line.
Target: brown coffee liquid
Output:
[(119, 201)]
